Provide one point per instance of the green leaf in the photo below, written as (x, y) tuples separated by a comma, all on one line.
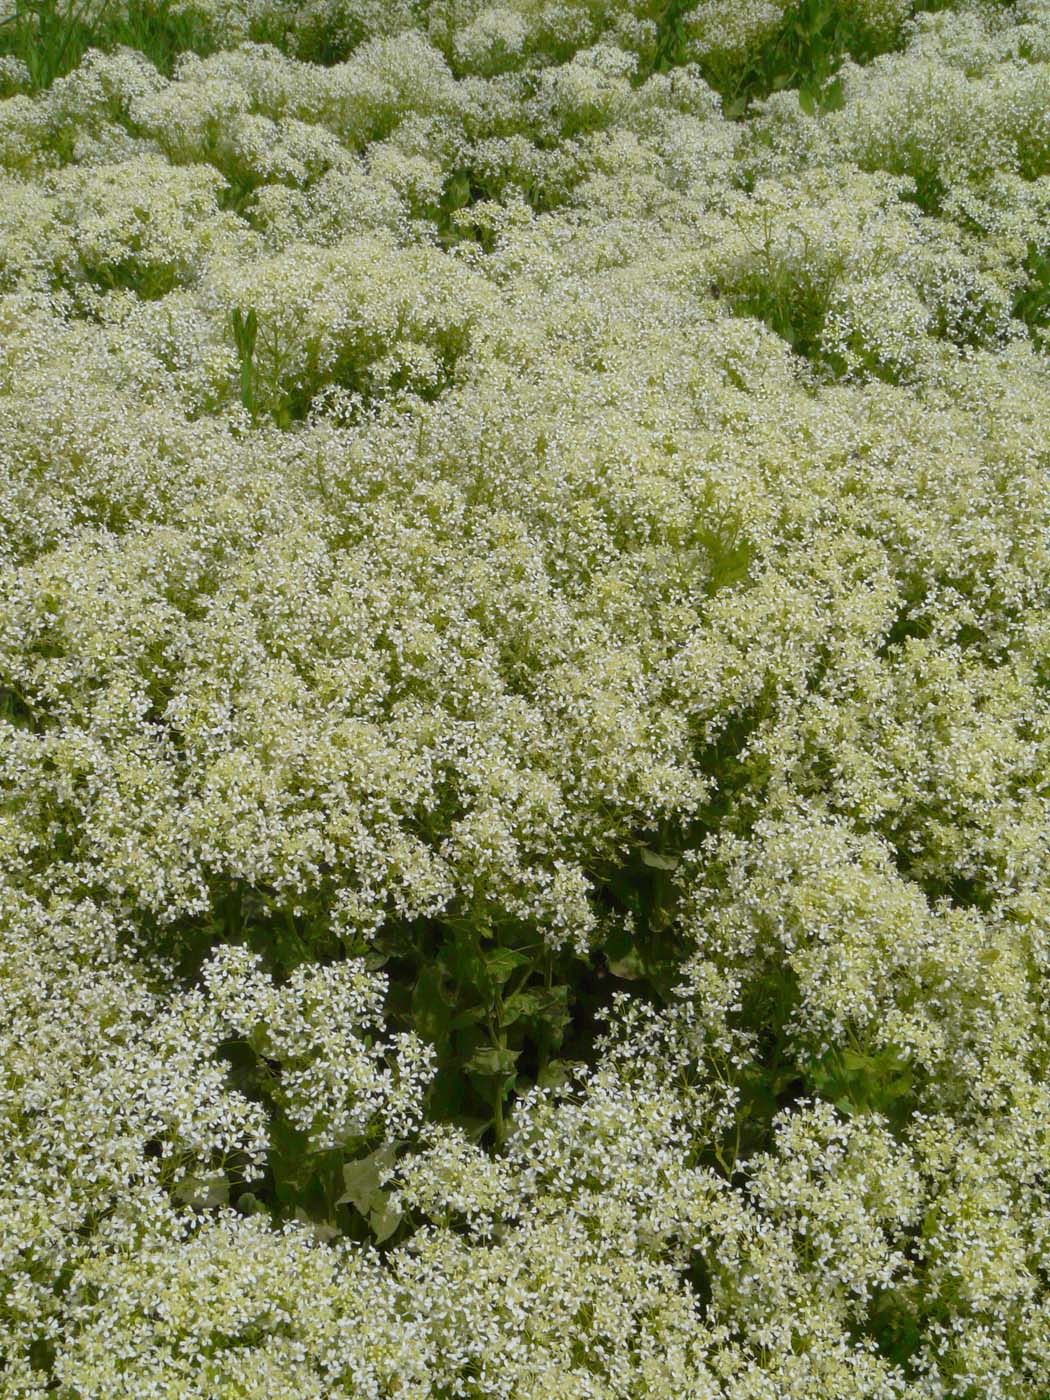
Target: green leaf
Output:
[(833, 97), (629, 968), (457, 191), (470, 1017), (245, 330), (394, 942), (248, 1203), (657, 860), (431, 1011), (383, 1221), (501, 963), (474, 1127), (324, 1230), (290, 1160), (552, 1006), (203, 1191), (463, 962), (521, 1004), (361, 1179), (492, 1060), (555, 1074)]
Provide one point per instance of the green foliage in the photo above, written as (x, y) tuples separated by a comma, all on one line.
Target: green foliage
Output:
[(1032, 300), (865, 1083), (762, 50), (52, 36), (245, 331)]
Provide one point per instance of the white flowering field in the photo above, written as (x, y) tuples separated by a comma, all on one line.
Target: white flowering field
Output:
[(525, 699)]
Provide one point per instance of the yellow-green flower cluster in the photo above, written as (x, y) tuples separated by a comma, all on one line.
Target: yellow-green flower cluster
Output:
[(524, 707)]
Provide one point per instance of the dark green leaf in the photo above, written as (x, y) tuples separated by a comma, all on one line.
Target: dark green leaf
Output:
[(431, 1009), (519, 1005)]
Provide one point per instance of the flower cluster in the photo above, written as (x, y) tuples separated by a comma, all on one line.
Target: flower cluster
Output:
[(524, 709)]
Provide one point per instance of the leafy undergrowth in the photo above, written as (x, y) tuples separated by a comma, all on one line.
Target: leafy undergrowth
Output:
[(524, 701)]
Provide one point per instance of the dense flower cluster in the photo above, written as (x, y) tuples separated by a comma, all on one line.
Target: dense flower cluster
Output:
[(524, 706)]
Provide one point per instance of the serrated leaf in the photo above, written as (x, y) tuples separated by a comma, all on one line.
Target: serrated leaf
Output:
[(361, 1180)]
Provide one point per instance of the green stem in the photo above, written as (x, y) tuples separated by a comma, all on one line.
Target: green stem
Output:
[(499, 1040), (498, 1125)]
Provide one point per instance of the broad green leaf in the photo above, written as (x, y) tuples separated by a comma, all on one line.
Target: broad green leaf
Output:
[(362, 1179), (470, 1017), (463, 962), (204, 1191), (552, 1005), (555, 1074), (629, 968), (492, 1060), (324, 1230), (431, 1012), (248, 1203), (519, 1005), (501, 963), (384, 1220), (474, 1127), (657, 860)]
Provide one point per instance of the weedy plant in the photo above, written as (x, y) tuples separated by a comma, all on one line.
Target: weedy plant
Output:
[(523, 700)]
